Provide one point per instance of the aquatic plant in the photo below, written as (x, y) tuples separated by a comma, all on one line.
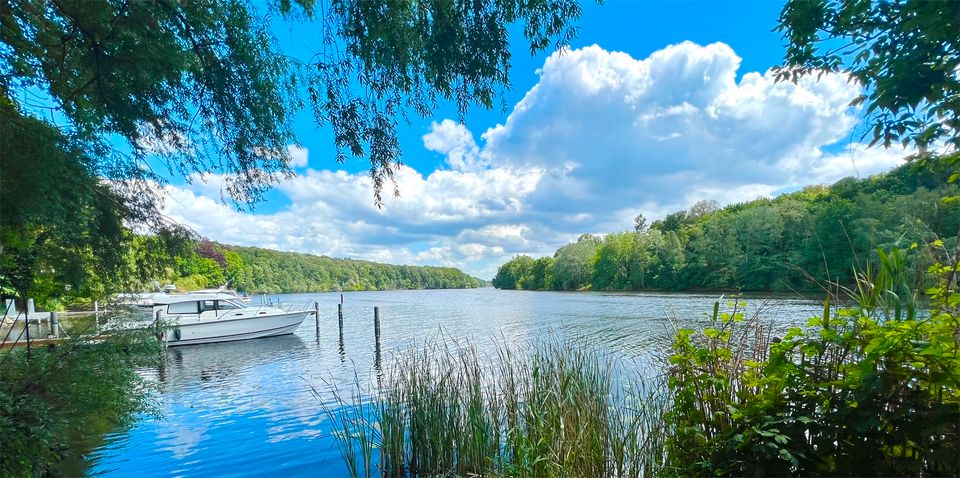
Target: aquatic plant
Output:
[(554, 409)]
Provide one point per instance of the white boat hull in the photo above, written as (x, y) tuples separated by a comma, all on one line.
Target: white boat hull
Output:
[(191, 331)]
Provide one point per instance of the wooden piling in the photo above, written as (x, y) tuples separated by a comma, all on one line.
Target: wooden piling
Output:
[(316, 315), (26, 325), (340, 316), (376, 323), (161, 335), (54, 325)]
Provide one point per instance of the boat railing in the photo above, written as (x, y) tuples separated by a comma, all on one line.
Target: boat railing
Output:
[(296, 306)]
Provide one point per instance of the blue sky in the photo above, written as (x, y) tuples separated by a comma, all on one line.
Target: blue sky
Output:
[(656, 105), (636, 27)]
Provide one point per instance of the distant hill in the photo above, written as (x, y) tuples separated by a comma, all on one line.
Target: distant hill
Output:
[(270, 271)]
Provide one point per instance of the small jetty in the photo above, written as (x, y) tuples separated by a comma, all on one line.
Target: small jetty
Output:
[(31, 327)]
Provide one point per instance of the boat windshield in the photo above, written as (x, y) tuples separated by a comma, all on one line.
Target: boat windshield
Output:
[(228, 305)]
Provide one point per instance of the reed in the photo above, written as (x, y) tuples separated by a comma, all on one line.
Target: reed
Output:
[(554, 409)]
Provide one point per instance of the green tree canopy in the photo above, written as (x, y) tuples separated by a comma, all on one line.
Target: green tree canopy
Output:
[(201, 85), (905, 53), (58, 221), (197, 84)]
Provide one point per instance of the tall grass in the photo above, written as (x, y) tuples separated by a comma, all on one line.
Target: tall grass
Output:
[(556, 409)]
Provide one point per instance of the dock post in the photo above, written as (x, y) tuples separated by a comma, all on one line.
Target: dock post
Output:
[(340, 316), (316, 315), (376, 323), (26, 327), (54, 325), (161, 336)]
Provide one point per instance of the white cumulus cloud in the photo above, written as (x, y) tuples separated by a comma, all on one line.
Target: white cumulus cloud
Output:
[(299, 156), (601, 137)]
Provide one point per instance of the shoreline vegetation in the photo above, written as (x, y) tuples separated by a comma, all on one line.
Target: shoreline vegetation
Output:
[(868, 390), (58, 402), (792, 243), (193, 264)]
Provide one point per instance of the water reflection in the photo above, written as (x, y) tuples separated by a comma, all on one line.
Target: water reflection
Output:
[(222, 363)]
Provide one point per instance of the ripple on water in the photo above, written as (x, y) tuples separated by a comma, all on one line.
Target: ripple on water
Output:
[(246, 408)]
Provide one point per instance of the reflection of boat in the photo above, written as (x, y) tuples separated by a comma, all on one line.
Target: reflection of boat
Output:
[(224, 362), (203, 317)]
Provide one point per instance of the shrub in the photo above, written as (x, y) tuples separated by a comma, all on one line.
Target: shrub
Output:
[(869, 390), (56, 400)]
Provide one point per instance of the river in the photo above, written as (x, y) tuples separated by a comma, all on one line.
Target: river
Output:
[(247, 408)]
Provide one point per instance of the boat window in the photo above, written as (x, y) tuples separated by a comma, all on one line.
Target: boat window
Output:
[(207, 305), (189, 307), (227, 305)]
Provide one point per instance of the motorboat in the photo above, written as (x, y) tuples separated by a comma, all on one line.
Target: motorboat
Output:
[(207, 317)]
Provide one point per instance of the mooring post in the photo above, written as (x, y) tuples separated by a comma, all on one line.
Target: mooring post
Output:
[(340, 316), (26, 326), (159, 328), (54, 324), (376, 323), (96, 315), (316, 315)]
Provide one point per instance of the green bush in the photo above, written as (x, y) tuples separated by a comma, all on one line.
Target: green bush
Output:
[(872, 390), (58, 401)]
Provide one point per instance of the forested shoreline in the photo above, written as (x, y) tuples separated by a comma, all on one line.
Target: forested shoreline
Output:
[(256, 270), (794, 242)]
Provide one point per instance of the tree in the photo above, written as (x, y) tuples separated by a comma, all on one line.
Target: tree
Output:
[(514, 273), (573, 263), (613, 261), (196, 85), (58, 222), (905, 54), (640, 223), (703, 208), (380, 61), (201, 86)]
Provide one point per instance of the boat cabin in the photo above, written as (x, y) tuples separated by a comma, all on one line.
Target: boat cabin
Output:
[(202, 305)]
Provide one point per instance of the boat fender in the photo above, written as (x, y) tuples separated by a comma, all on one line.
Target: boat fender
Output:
[(176, 333)]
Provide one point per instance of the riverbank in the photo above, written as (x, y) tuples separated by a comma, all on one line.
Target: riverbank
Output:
[(59, 401)]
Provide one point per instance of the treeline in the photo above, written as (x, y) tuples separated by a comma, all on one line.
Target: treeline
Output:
[(250, 269), (792, 242)]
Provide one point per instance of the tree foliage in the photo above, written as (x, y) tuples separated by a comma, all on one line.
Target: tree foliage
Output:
[(905, 53), (381, 62), (204, 264), (59, 402), (794, 242), (196, 85), (200, 86), (59, 223)]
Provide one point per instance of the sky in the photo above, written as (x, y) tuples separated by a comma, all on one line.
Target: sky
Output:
[(655, 106)]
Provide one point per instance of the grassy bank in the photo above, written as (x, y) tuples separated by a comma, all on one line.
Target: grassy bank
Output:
[(57, 403)]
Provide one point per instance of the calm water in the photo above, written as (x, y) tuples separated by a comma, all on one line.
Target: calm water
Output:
[(246, 408)]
